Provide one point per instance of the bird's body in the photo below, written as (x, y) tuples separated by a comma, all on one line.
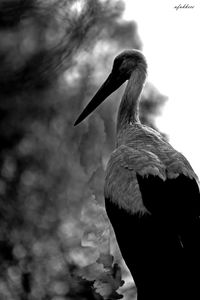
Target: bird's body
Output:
[(151, 195), (152, 200)]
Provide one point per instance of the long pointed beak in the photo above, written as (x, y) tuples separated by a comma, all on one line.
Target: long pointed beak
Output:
[(108, 87)]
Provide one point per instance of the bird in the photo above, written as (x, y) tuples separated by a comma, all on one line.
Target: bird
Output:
[(151, 193)]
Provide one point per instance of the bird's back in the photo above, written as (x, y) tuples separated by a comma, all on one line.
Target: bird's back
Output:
[(142, 153), (145, 139)]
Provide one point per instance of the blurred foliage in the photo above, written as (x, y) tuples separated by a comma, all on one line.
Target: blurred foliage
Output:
[(54, 233)]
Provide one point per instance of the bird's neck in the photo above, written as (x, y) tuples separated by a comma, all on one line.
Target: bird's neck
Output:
[(129, 107)]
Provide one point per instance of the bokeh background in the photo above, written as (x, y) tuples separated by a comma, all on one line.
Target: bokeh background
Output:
[(55, 239)]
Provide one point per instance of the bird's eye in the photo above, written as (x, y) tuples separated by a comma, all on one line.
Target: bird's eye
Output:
[(116, 65)]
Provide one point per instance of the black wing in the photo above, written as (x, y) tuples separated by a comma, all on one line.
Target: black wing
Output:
[(178, 197), (162, 249)]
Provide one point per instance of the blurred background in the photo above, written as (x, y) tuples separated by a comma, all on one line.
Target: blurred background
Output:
[(55, 239)]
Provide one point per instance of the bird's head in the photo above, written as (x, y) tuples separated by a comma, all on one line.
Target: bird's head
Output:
[(126, 62), (123, 66)]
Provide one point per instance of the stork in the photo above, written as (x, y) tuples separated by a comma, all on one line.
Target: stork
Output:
[(151, 194)]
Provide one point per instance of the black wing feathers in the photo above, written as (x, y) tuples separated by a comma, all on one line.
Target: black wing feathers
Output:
[(173, 197), (162, 249)]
